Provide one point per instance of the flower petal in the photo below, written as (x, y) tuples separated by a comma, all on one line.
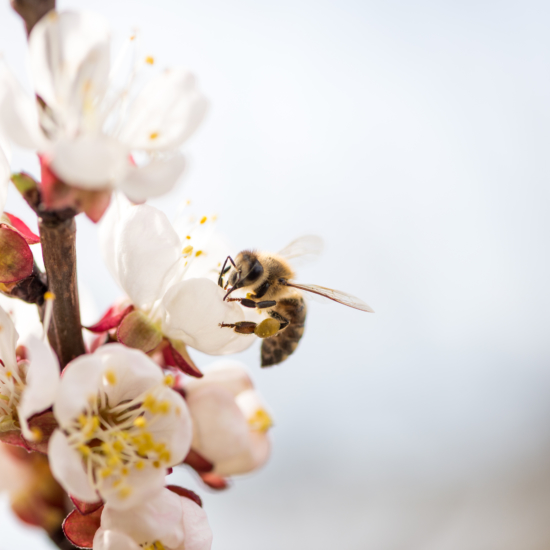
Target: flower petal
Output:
[(4, 179), (8, 340), (18, 113), (147, 251), (226, 373), (80, 382), (157, 518), (90, 161), (42, 382), (69, 54), (132, 371), (155, 179), (67, 468), (165, 113), (193, 310), (198, 535), (113, 540)]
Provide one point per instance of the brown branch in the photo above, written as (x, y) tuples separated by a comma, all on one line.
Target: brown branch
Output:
[(58, 240), (32, 10), (30, 290)]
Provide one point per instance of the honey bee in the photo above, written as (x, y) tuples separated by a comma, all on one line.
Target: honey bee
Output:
[(269, 279)]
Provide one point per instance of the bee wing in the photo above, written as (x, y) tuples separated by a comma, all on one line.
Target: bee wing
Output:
[(306, 248), (335, 295)]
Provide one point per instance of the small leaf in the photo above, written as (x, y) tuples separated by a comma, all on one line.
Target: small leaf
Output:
[(80, 530), (110, 320), (16, 261), (24, 183), (85, 508), (137, 331), (22, 228), (186, 493), (180, 358)]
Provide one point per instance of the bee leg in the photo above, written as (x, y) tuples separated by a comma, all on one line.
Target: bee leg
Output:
[(242, 327), (261, 290), (247, 302), (278, 317)]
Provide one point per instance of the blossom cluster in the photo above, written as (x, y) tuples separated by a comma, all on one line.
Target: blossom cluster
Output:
[(108, 426)]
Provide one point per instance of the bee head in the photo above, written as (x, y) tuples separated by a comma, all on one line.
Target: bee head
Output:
[(248, 271)]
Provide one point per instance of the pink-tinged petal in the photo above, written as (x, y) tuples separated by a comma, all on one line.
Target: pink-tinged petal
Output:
[(22, 229), (137, 331), (18, 113), (221, 432), (152, 180), (133, 372), (147, 252), (86, 508), (42, 382), (80, 382), (16, 259), (175, 429), (185, 493), (193, 310), (165, 113), (198, 535), (89, 162), (110, 320), (81, 529), (145, 485), (155, 518), (226, 373), (67, 468), (114, 540), (8, 341), (69, 54)]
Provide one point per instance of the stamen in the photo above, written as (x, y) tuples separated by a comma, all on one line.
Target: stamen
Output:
[(48, 311), (150, 60)]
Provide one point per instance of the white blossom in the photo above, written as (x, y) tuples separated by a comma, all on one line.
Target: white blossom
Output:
[(87, 128), (165, 522), (152, 264), (120, 427), (230, 419), (4, 172), (26, 387)]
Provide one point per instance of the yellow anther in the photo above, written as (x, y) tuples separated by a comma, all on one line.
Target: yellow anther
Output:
[(124, 471), (140, 422), (37, 434), (153, 135), (156, 464), (260, 421), (110, 376), (118, 446), (113, 460), (150, 60), (106, 448), (82, 420), (163, 407), (188, 237), (9, 374), (133, 37), (139, 465), (124, 492), (157, 545), (105, 472), (203, 219), (84, 450), (149, 403), (169, 380), (198, 252), (48, 295), (165, 456), (187, 250)]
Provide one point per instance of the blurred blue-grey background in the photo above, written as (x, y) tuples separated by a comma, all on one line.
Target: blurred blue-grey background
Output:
[(414, 137)]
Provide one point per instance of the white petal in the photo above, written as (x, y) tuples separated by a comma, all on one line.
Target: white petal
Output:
[(193, 310), (42, 382), (134, 372), (67, 468), (4, 179), (15, 473), (198, 535), (152, 180), (113, 540), (24, 316), (144, 484), (228, 374), (69, 55), (166, 112), (221, 432), (174, 429), (90, 161), (80, 382), (18, 113), (8, 340), (147, 252), (156, 518)]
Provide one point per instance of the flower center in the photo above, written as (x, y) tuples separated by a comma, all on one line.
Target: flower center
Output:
[(115, 441), (11, 386), (157, 545)]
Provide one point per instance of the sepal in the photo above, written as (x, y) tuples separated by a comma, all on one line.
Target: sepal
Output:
[(80, 529), (16, 260)]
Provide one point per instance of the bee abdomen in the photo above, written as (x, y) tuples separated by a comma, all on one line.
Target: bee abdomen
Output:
[(278, 347)]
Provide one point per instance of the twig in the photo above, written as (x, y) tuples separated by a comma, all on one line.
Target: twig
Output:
[(32, 10)]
